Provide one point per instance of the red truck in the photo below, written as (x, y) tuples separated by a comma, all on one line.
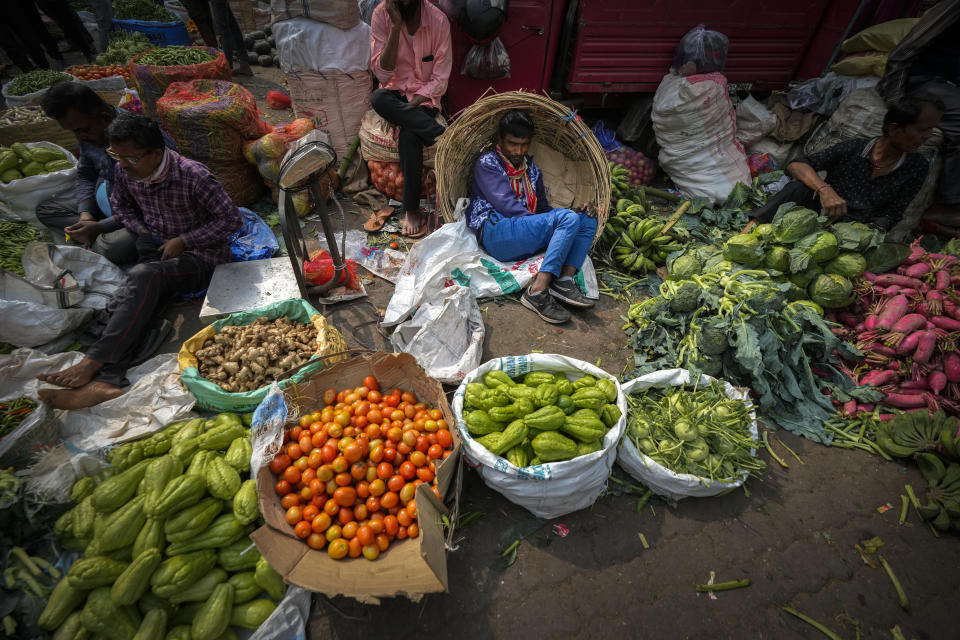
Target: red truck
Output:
[(626, 46)]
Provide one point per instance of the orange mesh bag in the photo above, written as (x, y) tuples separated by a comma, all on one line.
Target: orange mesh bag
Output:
[(153, 80)]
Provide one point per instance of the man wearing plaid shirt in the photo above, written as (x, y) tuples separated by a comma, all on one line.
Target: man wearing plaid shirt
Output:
[(182, 217)]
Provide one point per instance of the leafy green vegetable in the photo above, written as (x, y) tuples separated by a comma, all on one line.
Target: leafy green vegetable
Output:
[(777, 258), (683, 267), (831, 291), (744, 248), (886, 256), (847, 264), (856, 236), (792, 223)]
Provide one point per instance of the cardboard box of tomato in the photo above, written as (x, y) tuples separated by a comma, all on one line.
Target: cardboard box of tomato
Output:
[(410, 567)]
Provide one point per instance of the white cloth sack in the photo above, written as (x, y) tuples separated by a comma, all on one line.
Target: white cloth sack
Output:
[(450, 255), (19, 199), (308, 45), (552, 489), (695, 126), (445, 335), (754, 121), (62, 288), (661, 480)]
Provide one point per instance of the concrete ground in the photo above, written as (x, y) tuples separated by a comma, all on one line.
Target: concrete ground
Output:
[(793, 536)]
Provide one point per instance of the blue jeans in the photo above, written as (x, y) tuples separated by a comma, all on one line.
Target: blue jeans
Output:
[(565, 234)]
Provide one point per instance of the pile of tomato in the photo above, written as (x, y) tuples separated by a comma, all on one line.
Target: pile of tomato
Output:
[(348, 473), (95, 72)]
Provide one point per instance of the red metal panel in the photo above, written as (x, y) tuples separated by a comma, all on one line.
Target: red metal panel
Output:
[(828, 35), (626, 45), (530, 35)]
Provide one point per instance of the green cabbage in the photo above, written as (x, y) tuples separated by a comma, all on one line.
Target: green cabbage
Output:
[(821, 246), (686, 298), (704, 252), (744, 248), (856, 236), (831, 291), (777, 258), (847, 264), (719, 266), (764, 232), (684, 266), (803, 278), (790, 226), (712, 340)]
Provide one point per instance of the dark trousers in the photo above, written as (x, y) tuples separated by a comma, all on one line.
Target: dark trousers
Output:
[(948, 191), (418, 129), (132, 309), (794, 191), (17, 50), (71, 24), (25, 23), (119, 247), (227, 29), (199, 12)]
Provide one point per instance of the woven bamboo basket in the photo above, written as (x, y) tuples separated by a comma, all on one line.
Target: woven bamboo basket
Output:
[(574, 167)]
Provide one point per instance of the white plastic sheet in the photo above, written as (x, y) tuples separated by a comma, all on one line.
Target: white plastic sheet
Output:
[(552, 489), (19, 199), (445, 335), (33, 311), (450, 255), (661, 480), (754, 121)]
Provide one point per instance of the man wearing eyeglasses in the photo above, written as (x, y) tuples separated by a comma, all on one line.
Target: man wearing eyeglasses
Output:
[(183, 219), (79, 109)]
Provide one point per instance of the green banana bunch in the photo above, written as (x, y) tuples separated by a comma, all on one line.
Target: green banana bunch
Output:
[(942, 508), (640, 246), (916, 432), (619, 186)]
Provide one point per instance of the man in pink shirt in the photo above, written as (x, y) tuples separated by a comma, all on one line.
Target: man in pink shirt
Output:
[(410, 55)]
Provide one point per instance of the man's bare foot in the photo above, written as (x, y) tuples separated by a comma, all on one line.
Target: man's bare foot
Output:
[(75, 376), (88, 395), (243, 69), (413, 224)]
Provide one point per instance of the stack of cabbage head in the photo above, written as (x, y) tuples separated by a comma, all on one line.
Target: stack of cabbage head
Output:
[(19, 161)]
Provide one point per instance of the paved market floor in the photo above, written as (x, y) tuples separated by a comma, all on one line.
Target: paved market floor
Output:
[(793, 536)]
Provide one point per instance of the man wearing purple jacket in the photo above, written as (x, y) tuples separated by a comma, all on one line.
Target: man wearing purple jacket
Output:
[(183, 218), (512, 219)]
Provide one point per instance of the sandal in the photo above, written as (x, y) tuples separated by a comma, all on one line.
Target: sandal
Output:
[(377, 219), (424, 228)]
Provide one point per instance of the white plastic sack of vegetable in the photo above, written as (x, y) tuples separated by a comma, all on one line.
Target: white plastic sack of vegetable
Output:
[(451, 255), (661, 480), (552, 489), (754, 121), (695, 126), (19, 199), (289, 620), (445, 335)]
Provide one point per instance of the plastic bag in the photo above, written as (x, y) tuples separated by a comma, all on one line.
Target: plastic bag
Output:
[(552, 489), (754, 121), (254, 241), (450, 255), (131, 101), (606, 137), (19, 199), (487, 61), (289, 620), (445, 335), (663, 481), (760, 163), (700, 51), (319, 270)]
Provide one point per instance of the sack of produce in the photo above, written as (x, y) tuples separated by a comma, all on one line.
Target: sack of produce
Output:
[(541, 429), (30, 87), (157, 69), (343, 14), (336, 101), (31, 173), (25, 426), (387, 178), (267, 151), (685, 440), (230, 364)]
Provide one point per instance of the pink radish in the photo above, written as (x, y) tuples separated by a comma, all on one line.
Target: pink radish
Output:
[(902, 401), (886, 417), (890, 291), (907, 324), (925, 346), (878, 378), (951, 366), (871, 322), (937, 381), (942, 280), (893, 366), (951, 309), (848, 319), (935, 302), (917, 253), (914, 384), (850, 407), (907, 391), (865, 408), (889, 279), (909, 344), (944, 322), (881, 349), (916, 270), (869, 277), (942, 260), (894, 309)]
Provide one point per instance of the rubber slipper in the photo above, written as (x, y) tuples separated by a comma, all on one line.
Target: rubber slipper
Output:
[(377, 219), (424, 230)]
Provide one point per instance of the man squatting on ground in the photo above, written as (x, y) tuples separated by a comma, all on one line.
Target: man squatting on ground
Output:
[(183, 218)]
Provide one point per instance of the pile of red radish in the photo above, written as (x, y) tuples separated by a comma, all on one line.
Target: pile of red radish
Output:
[(908, 326)]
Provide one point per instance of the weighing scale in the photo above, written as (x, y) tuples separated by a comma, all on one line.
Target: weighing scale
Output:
[(240, 286)]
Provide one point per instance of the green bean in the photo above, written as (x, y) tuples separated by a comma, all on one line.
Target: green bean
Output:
[(175, 56), (13, 412), (14, 236), (36, 80), (141, 10)]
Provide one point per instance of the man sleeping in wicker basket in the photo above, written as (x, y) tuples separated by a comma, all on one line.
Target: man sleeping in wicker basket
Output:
[(512, 220)]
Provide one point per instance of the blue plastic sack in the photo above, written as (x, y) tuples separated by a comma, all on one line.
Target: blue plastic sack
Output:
[(162, 34), (254, 240), (606, 137)]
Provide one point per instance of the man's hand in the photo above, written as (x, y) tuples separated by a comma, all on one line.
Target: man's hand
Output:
[(172, 248), (419, 100), (833, 204), (85, 215), (84, 231), (589, 208), (394, 12)]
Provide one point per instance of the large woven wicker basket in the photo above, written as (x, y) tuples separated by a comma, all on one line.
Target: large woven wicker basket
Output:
[(574, 167)]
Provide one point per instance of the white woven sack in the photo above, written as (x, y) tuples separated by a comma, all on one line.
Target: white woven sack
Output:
[(552, 489), (19, 199), (663, 481)]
